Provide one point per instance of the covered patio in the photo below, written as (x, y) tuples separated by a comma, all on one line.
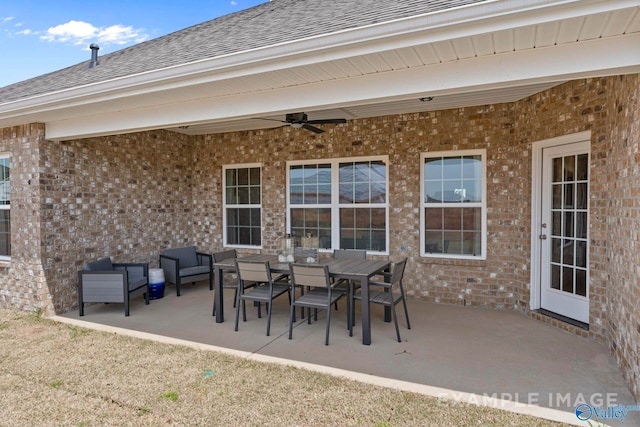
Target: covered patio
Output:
[(467, 354)]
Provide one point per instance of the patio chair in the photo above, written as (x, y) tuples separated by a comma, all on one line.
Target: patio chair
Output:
[(389, 294), (186, 265), (255, 283), (320, 292), (104, 281), (221, 256), (348, 254)]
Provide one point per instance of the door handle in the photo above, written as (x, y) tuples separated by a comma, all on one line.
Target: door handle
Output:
[(543, 237)]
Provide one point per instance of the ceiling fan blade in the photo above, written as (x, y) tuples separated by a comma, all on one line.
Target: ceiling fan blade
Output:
[(312, 128), (326, 121)]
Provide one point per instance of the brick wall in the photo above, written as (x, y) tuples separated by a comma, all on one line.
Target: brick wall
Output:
[(623, 231), (22, 281)]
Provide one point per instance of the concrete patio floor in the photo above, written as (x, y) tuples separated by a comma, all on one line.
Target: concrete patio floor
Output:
[(462, 353)]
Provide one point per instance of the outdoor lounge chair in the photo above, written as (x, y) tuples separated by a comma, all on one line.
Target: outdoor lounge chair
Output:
[(104, 281), (186, 265), (389, 294), (320, 293)]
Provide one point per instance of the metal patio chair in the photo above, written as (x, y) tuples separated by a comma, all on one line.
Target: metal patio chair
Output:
[(389, 294), (320, 292), (255, 283)]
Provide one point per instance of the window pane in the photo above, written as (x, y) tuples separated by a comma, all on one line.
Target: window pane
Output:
[(296, 194), (472, 167), (433, 218), (5, 188), (471, 219), (433, 242), (452, 168), (243, 176), (569, 168), (243, 196), (433, 191), (433, 168), (582, 168), (231, 178), (254, 195), (557, 169), (254, 176), (452, 219), (5, 232)]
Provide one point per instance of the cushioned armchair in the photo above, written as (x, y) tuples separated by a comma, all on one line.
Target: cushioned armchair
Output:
[(104, 281), (186, 265)]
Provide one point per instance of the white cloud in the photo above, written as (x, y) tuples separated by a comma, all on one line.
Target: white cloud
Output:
[(234, 3), (80, 32), (6, 19)]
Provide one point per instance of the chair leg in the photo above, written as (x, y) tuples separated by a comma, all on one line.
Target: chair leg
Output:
[(238, 314), (406, 313), (146, 296), (244, 311), (126, 305), (269, 318), (291, 320), (326, 340), (395, 321), (235, 297)]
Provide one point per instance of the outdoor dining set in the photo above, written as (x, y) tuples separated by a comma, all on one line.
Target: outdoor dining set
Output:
[(310, 282)]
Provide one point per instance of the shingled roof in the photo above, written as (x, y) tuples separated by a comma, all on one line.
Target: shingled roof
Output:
[(274, 22)]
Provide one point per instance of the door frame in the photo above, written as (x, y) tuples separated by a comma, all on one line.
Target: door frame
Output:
[(537, 149)]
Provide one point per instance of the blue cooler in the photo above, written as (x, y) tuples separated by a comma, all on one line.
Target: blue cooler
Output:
[(156, 283)]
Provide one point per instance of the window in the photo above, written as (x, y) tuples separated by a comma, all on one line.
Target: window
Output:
[(342, 201), (453, 205), (242, 213), (5, 208)]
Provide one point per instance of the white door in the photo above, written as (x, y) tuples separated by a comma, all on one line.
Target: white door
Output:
[(564, 230)]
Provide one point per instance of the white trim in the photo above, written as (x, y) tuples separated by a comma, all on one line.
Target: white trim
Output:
[(537, 149), (7, 155), (224, 204), (335, 204), (482, 204)]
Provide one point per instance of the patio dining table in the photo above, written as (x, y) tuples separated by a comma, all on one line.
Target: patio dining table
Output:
[(357, 270)]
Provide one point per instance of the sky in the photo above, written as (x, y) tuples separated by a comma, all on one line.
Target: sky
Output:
[(37, 37)]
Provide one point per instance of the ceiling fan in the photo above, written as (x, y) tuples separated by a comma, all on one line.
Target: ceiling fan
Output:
[(300, 120)]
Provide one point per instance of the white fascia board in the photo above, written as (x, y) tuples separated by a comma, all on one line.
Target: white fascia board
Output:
[(427, 28), (598, 57)]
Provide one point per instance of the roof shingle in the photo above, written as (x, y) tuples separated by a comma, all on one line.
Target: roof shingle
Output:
[(264, 25)]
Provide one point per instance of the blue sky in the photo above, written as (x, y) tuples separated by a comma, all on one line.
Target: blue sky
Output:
[(37, 37)]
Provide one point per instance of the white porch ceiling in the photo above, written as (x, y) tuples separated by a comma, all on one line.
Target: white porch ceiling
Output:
[(572, 34)]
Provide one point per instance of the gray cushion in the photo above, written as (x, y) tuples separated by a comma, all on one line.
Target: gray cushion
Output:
[(191, 271), (186, 255), (103, 264), (137, 283)]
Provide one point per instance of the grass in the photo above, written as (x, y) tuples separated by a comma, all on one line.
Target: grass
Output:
[(53, 374)]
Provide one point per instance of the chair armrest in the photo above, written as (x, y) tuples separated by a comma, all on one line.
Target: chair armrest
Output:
[(205, 259), (102, 286), (386, 285), (339, 282), (136, 270), (171, 267)]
